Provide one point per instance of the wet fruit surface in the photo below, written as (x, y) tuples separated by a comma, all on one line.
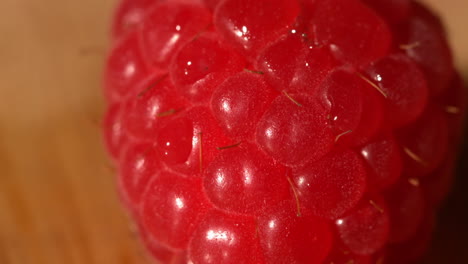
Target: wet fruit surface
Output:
[(282, 131)]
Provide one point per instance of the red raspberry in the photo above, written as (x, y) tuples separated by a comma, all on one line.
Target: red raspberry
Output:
[(282, 131)]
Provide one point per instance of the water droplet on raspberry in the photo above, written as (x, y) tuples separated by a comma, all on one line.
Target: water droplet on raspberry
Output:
[(294, 130), (225, 238), (250, 25), (139, 164), (383, 160), (404, 86), (333, 185), (286, 237), (240, 101), (125, 68), (425, 143), (240, 179), (430, 48), (365, 229), (354, 32), (154, 102), (168, 26), (201, 65), (171, 208), (405, 202)]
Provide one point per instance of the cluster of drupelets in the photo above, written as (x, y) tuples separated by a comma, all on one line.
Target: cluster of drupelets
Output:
[(282, 131)]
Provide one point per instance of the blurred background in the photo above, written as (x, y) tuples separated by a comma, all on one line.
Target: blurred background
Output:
[(57, 194)]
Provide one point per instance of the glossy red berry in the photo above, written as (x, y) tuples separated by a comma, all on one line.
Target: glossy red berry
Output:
[(383, 162), (168, 26), (282, 131), (331, 186), (241, 178), (402, 85), (280, 59), (115, 136), (250, 25), (365, 230), (342, 94), (372, 119), (201, 65), (226, 238), (129, 14), (153, 101), (294, 65), (138, 165), (239, 103), (189, 141), (359, 36), (172, 207), (291, 236), (125, 68)]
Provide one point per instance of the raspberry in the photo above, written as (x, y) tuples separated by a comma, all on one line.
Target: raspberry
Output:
[(383, 159), (365, 230), (239, 103), (125, 68), (182, 202), (292, 65), (255, 24), (201, 66), (160, 37), (282, 131), (244, 184), (226, 238), (129, 14), (358, 37), (138, 165), (404, 86), (291, 238)]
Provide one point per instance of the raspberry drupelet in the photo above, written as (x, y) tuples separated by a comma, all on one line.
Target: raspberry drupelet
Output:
[(282, 131)]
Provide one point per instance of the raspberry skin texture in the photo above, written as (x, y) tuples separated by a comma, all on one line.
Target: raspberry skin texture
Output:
[(282, 131)]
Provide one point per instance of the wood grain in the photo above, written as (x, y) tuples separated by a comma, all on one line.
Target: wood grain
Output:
[(57, 195)]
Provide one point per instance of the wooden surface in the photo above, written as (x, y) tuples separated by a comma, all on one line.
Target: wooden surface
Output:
[(57, 198)]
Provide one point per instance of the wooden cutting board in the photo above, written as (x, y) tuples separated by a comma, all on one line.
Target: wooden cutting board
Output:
[(57, 193)]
